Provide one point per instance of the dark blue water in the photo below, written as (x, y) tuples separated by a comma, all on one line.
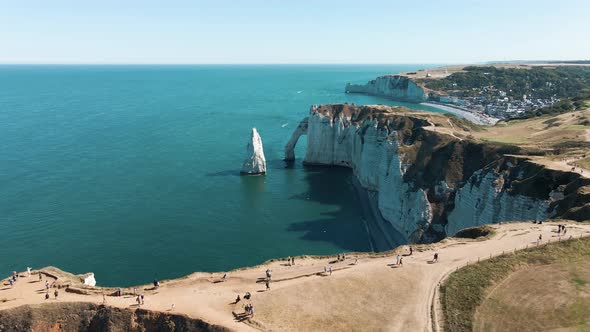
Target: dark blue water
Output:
[(131, 172)]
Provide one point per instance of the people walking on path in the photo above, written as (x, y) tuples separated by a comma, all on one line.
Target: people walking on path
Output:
[(401, 261), (47, 284), (40, 276), (142, 299), (435, 260), (411, 251), (47, 295), (56, 293), (267, 285), (330, 270), (397, 259), (292, 260), (138, 300)]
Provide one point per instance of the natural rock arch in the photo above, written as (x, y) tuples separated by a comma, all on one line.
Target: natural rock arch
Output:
[(290, 147)]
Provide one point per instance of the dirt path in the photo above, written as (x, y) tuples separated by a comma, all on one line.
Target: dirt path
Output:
[(371, 295)]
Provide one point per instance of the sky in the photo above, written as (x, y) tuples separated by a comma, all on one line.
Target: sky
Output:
[(301, 31)]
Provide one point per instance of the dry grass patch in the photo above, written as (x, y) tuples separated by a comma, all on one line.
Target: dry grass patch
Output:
[(539, 293)]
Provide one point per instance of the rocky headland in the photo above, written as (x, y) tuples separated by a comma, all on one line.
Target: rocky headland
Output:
[(424, 182)]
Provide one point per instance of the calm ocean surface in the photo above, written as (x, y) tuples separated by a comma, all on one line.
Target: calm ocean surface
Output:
[(132, 172)]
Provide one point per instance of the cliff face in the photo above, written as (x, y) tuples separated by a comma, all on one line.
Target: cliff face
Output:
[(76, 317), (428, 185), (255, 162), (391, 86)]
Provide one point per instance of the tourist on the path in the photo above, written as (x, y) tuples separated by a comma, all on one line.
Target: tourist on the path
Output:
[(251, 310), (325, 270), (28, 271), (46, 284), (292, 260), (238, 299), (138, 300), (330, 269), (343, 257), (435, 260), (172, 308), (134, 291), (142, 299), (397, 259), (356, 260), (11, 282), (401, 261), (267, 285), (339, 257), (411, 251), (247, 295), (268, 275), (119, 291), (224, 276), (56, 293), (47, 296), (40, 276)]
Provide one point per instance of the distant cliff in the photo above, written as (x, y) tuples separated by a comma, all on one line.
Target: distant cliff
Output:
[(391, 86), (429, 185)]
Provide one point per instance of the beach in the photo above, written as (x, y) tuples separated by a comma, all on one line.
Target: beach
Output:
[(473, 117)]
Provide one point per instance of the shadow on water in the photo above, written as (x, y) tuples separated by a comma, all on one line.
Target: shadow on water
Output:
[(343, 226), (270, 165)]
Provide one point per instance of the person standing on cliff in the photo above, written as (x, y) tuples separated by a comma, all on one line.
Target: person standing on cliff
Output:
[(330, 270), (267, 285), (411, 251), (56, 293), (142, 302), (397, 259), (293, 260), (401, 261), (435, 260)]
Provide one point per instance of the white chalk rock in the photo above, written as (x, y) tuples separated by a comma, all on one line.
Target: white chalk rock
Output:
[(89, 280), (255, 163)]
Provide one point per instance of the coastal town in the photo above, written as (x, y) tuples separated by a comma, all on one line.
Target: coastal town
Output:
[(495, 103)]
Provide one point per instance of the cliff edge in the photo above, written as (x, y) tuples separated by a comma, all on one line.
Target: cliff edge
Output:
[(429, 179)]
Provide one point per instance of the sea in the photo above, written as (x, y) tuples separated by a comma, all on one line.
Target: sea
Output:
[(132, 171)]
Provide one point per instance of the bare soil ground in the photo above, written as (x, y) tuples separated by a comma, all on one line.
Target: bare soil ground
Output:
[(372, 295)]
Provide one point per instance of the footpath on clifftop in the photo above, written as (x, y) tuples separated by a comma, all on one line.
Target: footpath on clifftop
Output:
[(366, 292)]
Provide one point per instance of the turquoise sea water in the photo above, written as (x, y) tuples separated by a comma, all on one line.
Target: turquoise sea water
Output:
[(131, 172)]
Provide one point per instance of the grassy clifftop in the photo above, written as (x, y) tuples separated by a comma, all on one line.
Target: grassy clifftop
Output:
[(545, 287)]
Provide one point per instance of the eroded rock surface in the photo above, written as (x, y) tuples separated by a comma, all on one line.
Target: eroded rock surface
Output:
[(255, 162), (428, 184), (74, 317)]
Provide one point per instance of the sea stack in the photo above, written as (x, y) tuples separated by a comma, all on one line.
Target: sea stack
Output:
[(255, 163)]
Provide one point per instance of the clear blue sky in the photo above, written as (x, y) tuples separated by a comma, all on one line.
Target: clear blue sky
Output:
[(301, 31)]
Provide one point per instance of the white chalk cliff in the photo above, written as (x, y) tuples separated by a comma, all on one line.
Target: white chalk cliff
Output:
[(424, 192), (390, 86), (255, 162)]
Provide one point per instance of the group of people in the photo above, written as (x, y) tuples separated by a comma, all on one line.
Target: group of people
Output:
[(13, 279), (561, 229)]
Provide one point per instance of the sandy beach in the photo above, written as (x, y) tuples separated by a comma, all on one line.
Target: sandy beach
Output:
[(473, 117), (365, 291)]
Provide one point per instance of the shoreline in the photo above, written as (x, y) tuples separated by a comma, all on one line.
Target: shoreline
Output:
[(473, 117)]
